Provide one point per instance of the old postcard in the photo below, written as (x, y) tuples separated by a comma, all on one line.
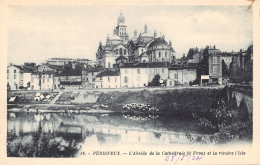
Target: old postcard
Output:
[(134, 82)]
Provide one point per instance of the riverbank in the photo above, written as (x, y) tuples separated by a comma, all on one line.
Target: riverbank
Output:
[(180, 101)]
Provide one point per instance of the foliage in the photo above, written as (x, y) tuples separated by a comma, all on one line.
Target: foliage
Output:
[(70, 71), (225, 70), (42, 145), (203, 66), (155, 81), (231, 123)]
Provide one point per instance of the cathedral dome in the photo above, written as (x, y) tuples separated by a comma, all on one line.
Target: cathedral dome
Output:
[(158, 42), (115, 38), (134, 38), (146, 34)]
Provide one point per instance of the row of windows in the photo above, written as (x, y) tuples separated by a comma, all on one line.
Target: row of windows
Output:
[(8, 76), (108, 79), (43, 80), (160, 55), (32, 76), (122, 31), (47, 76), (139, 71), (120, 51), (8, 70)]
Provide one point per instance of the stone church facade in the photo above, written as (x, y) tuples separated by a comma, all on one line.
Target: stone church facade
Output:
[(139, 49)]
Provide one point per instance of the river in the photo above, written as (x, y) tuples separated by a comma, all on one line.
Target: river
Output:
[(72, 131)]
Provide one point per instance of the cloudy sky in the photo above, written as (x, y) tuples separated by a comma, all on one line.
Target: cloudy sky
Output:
[(36, 33)]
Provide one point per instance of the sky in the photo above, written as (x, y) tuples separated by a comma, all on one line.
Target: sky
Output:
[(36, 33)]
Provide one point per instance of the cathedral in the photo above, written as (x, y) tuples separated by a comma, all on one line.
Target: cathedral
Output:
[(139, 49)]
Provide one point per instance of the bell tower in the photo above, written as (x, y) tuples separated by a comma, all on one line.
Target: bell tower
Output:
[(121, 28)]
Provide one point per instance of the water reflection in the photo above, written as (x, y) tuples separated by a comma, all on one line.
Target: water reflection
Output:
[(67, 130)]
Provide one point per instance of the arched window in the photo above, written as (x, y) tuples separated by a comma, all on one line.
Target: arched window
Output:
[(124, 51), (125, 79), (121, 51)]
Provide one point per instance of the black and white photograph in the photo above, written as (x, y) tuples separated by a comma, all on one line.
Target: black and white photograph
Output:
[(83, 81)]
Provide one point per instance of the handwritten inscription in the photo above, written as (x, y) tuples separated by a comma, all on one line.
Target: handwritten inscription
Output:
[(249, 7), (182, 158)]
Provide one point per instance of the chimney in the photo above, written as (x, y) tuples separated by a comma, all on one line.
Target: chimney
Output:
[(170, 43)]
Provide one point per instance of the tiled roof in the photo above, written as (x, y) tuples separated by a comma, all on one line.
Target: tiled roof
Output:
[(46, 72), (60, 58), (121, 57), (179, 67), (25, 69), (158, 42), (28, 69), (146, 65), (55, 66), (17, 66), (94, 69), (111, 47), (108, 73), (143, 43)]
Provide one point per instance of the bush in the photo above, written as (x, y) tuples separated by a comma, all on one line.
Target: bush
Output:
[(155, 81)]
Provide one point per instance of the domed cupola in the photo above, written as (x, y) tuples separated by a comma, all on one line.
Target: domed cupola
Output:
[(146, 34), (121, 18)]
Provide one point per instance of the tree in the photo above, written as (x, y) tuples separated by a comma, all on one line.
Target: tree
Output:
[(203, 66), (155, 81), (235, 73), (225, 71)]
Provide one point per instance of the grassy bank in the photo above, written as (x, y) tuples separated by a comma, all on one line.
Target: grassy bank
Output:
[(180, 101)]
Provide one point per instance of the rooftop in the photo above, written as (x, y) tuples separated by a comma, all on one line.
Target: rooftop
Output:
[(121, 57), (146, 65), (108, 73), (158, 42)]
